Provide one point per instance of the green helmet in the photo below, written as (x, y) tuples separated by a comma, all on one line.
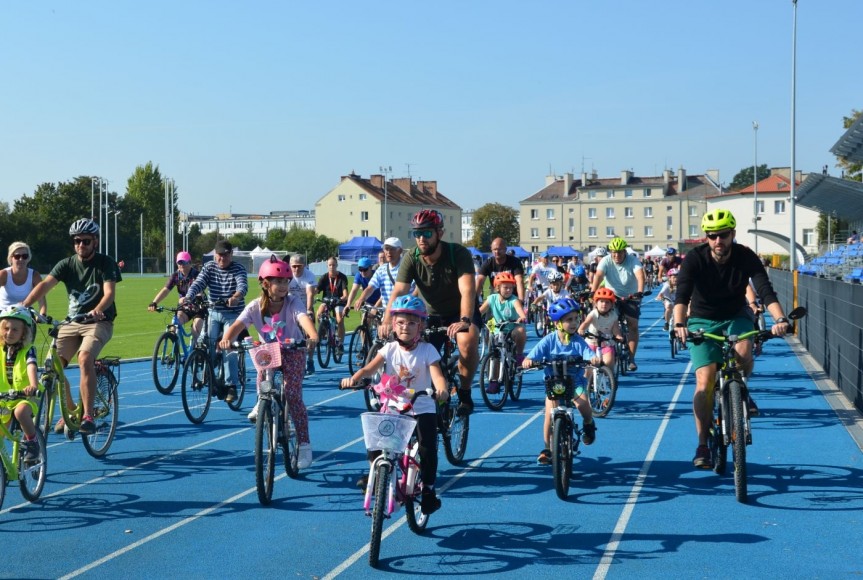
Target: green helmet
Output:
[(21, 314), (717, 220), (617, 245)]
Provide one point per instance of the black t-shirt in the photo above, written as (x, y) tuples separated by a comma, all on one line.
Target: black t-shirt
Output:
[(490, 267), (85, 280), (333, 288)]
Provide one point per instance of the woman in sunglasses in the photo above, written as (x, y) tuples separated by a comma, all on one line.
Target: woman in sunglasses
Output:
[(19, 278), (181, 280)]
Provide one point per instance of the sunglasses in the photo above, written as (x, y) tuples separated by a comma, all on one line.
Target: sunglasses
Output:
[(364, 269), (20, 256), (182, 262), (721, 235), (426, 234), (83, 241), (297, 265)]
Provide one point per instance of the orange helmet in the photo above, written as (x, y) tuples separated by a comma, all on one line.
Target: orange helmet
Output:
[(504, 278), (604, 294)]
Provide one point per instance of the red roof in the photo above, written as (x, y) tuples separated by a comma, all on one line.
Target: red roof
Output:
[(772, 184)]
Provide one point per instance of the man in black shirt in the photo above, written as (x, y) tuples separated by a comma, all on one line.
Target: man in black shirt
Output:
[(499, 262)]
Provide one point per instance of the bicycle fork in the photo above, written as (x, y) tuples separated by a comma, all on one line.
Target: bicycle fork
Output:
[(373, 471)]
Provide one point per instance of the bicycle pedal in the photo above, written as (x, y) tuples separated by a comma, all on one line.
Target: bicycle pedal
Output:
[(70, 435)]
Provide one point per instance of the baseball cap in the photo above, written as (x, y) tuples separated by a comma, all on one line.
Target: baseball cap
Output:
[(223, 247), (544, 255), (393, 242)]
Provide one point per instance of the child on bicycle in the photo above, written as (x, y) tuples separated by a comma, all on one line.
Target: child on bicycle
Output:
[(564, 342), (667, 294), (554, 292), (602, 319), (506, 307), (277, 316), (417, 365), (19, 374)]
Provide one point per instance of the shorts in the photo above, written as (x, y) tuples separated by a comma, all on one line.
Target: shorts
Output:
[(709, 352), (607, 349), (437, 320), (631, 308), (77, 337)]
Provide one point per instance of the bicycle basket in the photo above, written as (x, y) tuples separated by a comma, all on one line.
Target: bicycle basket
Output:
[(267, 356), (387, 431), (558, 389)]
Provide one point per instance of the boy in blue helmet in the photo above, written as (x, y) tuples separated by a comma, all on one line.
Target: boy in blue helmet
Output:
[(361, 282)]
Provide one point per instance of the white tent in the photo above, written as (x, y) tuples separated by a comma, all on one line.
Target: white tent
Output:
[(656, 252)]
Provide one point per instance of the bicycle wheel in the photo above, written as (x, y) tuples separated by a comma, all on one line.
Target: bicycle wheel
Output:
[(539, 323), (417, 520), (197, 386), (561, 455), (47, 400), (382, 482), (738, 439), (106, 414), (373, 405), (2, 484), (166, 362), (514, 386), (601, 390), (454, 427), (490, 369), (484, 341), (324, 347), (288, 431), (265, 451), (337, 347), (672, 339), (242, 379), (622, 359), (358, 348), (31, 477)]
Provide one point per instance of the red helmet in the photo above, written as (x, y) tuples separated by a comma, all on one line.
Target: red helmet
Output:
[(504, 278), (274, 268), (427, 218), (604, 294)]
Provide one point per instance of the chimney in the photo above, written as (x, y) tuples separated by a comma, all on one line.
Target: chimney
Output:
[(403, 183), (430, 187), (681, 179), (713, 174), (549, 179), (377, 181), (584, 179), (666, 176), (625, 176), (567, 184)]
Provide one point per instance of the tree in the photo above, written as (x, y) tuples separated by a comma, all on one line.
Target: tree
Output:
[(852, 171), (146, 190), (275, 239), (246, 241), (494, 220), (743, 178)]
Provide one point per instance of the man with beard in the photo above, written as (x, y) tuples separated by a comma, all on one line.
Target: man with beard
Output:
[(444, 275), (712, 285)]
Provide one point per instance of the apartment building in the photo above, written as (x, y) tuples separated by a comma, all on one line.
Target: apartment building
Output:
[(586, 213), (228, 224), (382, 208)]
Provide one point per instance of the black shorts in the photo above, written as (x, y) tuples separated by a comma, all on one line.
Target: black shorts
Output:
[(630, 308)]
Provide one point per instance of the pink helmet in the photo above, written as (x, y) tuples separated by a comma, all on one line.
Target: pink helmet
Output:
[(274, 268), (673, 272), (184, 257)]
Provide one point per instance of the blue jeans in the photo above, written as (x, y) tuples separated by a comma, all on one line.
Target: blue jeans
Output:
[(220, 320)]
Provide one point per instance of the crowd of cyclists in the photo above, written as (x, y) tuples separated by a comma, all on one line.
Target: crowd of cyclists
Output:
[(436, 283)]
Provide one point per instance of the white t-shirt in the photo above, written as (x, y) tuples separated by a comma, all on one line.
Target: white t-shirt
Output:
[(620, 277), (297, 286), (412, 368)]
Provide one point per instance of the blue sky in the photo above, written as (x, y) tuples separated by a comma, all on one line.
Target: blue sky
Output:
[(257, 106)]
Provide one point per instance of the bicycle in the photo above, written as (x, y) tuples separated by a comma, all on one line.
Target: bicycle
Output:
[(622, 354), (30, 476), (204, 377), (274, 427), (170, 353), (541, 322), (328, 343), (364, 337), (500, 365), (731, 426), (106, 404), (565, 434), (371, 400), (601, 382), (394, 477), (452, 425)]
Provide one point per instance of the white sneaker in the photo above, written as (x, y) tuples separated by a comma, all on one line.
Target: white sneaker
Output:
[(253, 414), (305, 458)]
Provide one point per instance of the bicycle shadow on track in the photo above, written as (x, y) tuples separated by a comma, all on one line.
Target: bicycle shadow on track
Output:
[(492, 548)]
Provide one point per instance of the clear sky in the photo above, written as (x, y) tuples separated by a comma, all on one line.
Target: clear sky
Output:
[(256, 106)]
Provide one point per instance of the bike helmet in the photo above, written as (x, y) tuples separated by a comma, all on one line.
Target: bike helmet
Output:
[(504, 278), (671, 251), (672, 272), (617, 245), (717, 220), (561, 308), (184, 256), (604, 294), (274, 268), (409, 305), (19, 313), (601, 252), (427, 218), (579, 271), (84, 226), (555, 276), (364, 263)]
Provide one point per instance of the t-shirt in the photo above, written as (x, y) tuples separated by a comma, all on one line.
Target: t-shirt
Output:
[(333, 288), (181, 282), (542, 273), (601, 323), (84, 282), (490, 267), (550, 347), (620, 277), (364, 282), (666, 292), (385, 278), (222, 283), (551, 296), (298, 284), (412, 368), (503, 310), (292, 310), (438, 282)]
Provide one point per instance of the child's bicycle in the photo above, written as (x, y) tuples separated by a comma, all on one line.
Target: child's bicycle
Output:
[(393, 434), (328, 345), (500, 375), (601, 382), (106, 404), (273, 426), (731, 425), (364, 337), (565, 434), (170, 353), (30, 475)]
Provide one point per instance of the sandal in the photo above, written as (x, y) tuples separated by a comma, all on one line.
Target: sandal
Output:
[(544, 457)]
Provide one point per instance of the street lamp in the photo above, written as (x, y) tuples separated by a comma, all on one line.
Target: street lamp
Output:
[(116, 254), (755, 184), (792, 261), (386, 170)]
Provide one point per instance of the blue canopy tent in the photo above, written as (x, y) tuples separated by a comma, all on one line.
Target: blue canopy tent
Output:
[(564, 252), (474, 252), (360, 247), (518, 252)]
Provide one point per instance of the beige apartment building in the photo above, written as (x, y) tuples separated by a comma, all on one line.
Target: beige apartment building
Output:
[(382, 208), (587, 213)]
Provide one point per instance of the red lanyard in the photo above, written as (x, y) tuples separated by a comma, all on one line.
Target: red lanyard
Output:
[(333, 286)]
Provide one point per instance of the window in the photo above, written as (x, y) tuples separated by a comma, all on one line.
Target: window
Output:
[(534, 233), (693, 211), (808, 237), (571, 225), (627, 193), (647, 192), (609, 194), (364, 216), (669, 222), (693, 232), (669, 207), (364, 233), (363, 197), (591, 232), (549, 233), (628, 212), (591, 213), (648, 231), (534, 214), (609, 231), (759, 207), (341, 198), (591, 195), (609, 213), (779, 206), (549, 214), (629, 232), (648, 212)]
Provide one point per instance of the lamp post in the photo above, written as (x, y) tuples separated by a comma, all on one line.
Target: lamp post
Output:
[(116, 254), (386, 170), (755, 217), (792, 261), (141, 259)]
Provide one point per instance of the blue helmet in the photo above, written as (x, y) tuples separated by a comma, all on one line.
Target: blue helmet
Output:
[(670, 251), (364, 263), (561, 308), (409, 304)]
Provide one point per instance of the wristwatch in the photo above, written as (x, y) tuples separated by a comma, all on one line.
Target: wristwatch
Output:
[(782, 320), (465, 319), (679, 325)]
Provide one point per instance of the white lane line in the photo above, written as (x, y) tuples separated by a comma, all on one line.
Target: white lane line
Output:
[(347, 563), (613, 544)]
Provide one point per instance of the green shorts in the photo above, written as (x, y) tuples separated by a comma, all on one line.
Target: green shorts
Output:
[(709, 351)]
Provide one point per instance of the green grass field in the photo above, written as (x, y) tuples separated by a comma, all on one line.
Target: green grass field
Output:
[(136, 329)]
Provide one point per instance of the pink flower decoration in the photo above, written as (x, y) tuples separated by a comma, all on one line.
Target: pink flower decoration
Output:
[(389, 389)]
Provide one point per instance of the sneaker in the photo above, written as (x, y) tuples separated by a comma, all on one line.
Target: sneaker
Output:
[(363, 482), (544, 457), (753, 408), (59, 425), (31, 451), (702, 457), (310, 367), (430, 502), (305, 459), (493, 388), (588, 433), (253, 414), (633, 367), (88, 427), (230, 393), (465, 407)]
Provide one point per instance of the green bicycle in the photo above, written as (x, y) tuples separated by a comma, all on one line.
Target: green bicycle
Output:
[(30, 475)]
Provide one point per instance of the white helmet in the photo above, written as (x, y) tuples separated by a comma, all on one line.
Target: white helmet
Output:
[(84, 226), (555, 276), (602, 251)]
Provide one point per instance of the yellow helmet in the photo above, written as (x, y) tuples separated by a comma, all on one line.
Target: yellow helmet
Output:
[(718, 220)]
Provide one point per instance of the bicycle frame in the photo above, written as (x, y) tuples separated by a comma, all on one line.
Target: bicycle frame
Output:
[(452, 426)]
